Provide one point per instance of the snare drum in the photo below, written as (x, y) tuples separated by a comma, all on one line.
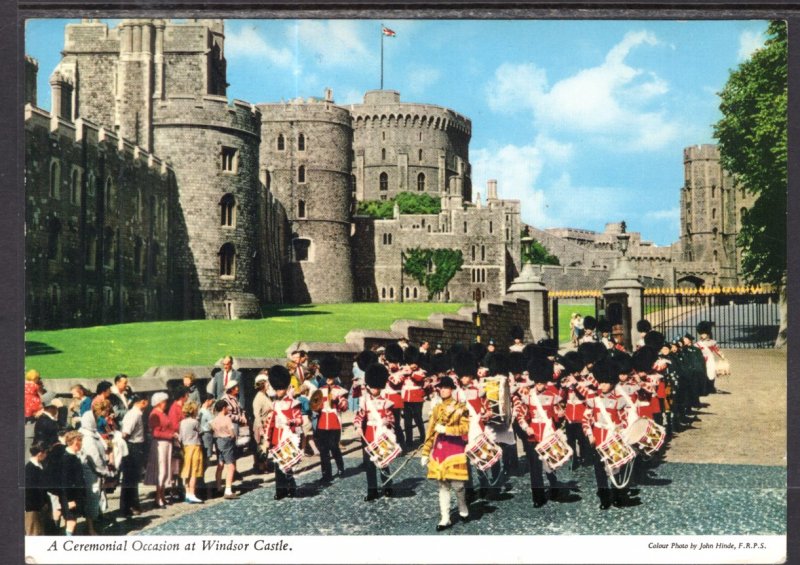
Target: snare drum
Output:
[(287, 454), (615, 453), (483, 452), (383, 450), (645, 435), (554, 451)]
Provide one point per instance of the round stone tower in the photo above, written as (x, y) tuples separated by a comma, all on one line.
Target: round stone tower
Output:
[(708, 213), (406, 147), (306, 163), (213, 148)]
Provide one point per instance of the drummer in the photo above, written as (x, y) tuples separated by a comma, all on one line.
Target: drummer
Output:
[(538, 420), (394, 386), (329, 425), (467, 391), (374, 417), (574, 391), (500, 424), (284, 421), (599, 423)]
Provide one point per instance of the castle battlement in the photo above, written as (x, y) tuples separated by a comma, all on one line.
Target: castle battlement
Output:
[(306, 110), (85, 130), (383, 107), (208, 111), (704, 151), (91, 37)]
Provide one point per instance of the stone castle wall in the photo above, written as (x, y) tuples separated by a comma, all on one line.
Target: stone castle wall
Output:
[(97, 237)]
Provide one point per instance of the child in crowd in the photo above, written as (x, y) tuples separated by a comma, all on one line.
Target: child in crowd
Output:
[(189, 432)]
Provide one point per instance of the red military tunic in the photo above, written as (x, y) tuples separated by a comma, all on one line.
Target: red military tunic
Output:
[(374, 414), (472, 396), (334, 401), (594, 425), (291, 420), (413, 386), (394, 386), (527, 413), (574, 395)]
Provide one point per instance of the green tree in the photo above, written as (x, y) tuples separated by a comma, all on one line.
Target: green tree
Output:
[(538, 255), (433, 268), (753, 148), (408, 202)]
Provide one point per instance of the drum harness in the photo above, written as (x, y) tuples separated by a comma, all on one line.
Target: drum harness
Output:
[(609, 425), (549, 430)]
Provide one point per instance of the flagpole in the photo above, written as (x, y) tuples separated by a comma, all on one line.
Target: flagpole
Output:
[(381, 56)]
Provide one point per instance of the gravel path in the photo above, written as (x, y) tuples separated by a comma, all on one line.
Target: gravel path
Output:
[(745, 423)]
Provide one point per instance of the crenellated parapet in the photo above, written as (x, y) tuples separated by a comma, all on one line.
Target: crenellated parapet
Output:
[(210, 111), (382, 108)]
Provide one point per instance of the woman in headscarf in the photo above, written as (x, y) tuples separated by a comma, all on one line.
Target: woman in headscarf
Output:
[(94, 461)]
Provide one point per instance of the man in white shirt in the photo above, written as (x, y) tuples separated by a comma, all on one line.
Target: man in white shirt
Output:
[(132, 464)]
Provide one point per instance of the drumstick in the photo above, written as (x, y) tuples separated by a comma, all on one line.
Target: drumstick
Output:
[(408, 458)]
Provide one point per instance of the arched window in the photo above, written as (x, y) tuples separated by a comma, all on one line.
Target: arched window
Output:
[(301, 208), (473, 252), (75, 187), (301, 173), (742, 214), (714, 233), (421, 182), (713, 213), (281, 142), (108, 247), (465, 227), (227, 206), (483, 253), (227, 260), (391, 292), (137, 255), (55, 179), (491, 226), (383, 154), (419, 155), (408, 292), (415, 292), (713, 191), (302, 249), (383, 292), (743, 192), (54, 239), (383, 181), (715, 255), (109, 195), (301, 142)]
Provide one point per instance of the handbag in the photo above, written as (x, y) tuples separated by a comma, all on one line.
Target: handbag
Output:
[(723, 368)]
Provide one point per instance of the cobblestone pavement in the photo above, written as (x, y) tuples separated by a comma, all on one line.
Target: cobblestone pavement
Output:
[(727, 475)]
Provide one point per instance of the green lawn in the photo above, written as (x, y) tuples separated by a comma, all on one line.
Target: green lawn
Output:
[(565, 311), (103, 351)]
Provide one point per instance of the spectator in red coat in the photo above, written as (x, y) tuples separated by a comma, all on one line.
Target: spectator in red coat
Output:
[(159, 462)]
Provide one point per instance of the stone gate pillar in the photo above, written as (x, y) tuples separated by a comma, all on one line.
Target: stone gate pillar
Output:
[(529, 286), (623, 296)]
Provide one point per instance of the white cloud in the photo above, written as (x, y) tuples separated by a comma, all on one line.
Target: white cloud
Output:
[(672, 214), (749, 41), (351, 96), (247, 43), (332, 42), (421, 78), (612, 103)]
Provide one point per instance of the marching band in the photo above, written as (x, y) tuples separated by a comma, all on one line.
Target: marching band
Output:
[(598, 406)]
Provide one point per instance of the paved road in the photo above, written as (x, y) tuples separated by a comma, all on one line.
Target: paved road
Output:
[(727, 476)]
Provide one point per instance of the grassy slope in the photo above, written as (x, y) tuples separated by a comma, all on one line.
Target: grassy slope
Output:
[(104, 351), (565, 312)]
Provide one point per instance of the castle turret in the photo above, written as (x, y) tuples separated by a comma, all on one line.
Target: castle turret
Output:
[(31, 75), (405, 147), (305, 149)]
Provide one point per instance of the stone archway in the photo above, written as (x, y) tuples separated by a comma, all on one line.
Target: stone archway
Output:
[(690, 281)]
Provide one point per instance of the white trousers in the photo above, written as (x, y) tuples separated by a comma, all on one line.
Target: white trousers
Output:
[(444, 500)]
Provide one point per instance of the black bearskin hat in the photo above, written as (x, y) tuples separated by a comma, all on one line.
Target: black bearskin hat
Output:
[(550, 346), (376, 376), (411, 355), (498, 364), (478, 350), (623, 362), (516, 362), (534, 351), (643, 326), (604, 326), (572, 362), (589, 323), (330, 367), (465, 364), (517, 333), (704, 327), (394, 353), (643, 359), (592, 351), (605, 371), (446, 382), (279, 377), (540, 370), (654, 339), (365, 359), (440, 363)]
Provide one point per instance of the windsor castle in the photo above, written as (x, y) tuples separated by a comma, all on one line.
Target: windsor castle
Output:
[(149, 195)]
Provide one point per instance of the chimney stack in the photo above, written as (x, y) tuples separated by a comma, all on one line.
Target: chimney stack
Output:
[(491, 189)]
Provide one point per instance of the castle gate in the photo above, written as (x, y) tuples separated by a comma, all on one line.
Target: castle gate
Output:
[(743, 317), (566, 302)]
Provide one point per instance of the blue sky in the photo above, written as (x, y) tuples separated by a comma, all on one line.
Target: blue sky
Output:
[(584, 121)]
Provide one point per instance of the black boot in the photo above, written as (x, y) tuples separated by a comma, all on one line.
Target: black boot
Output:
[(605, 498), (539, 498), (281, 493), (554, 494), (371, 495), (388, 492)]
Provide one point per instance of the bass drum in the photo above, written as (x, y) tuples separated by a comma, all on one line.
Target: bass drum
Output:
[(498, 396)]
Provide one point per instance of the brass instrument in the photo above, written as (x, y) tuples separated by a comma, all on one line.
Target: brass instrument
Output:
[(316, 400)]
